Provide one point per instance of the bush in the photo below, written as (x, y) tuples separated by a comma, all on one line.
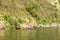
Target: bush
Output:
[(30, 6), (59, 1), (20, 21), (10, 20), (37, 20), (44, 21)]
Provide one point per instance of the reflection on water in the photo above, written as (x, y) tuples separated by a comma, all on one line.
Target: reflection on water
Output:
[(2, 38), (2, 34)]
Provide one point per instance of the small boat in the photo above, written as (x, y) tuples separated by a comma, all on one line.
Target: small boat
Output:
[(18, 28)]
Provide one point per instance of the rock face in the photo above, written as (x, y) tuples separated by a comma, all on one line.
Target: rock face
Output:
[(51, 25), (2, 24)]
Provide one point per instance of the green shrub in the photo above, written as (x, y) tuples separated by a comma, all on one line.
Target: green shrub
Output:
[(59, 1), (20, 21), (37, 20), (10, 20), (30, 6), (44, 21)]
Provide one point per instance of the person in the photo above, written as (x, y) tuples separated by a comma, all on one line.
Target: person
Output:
[(34, 26), (30, 27)]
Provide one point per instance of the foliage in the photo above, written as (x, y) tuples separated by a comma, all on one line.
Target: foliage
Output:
[(20, 21), (10, 20), (37, 20), (44, 21), (30, 6), (59, 1), (32, 10)]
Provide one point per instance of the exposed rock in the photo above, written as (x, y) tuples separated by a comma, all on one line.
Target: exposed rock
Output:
[(2, 24)]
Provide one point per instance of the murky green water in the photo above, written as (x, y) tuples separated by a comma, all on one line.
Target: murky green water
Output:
[(37, 34)]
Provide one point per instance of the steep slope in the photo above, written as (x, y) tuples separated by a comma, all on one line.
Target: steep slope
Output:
[(40, 11)]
